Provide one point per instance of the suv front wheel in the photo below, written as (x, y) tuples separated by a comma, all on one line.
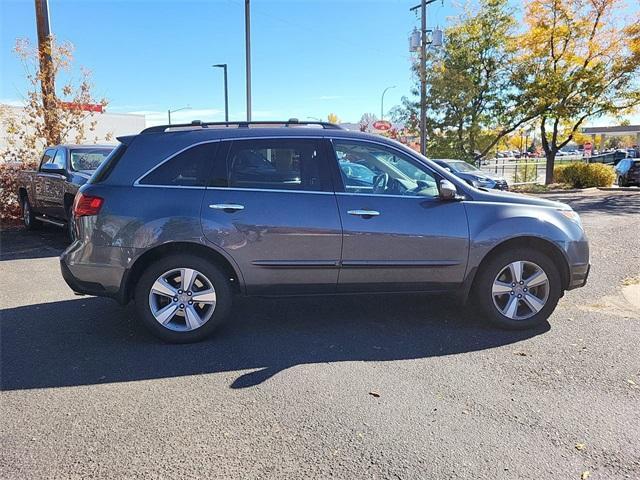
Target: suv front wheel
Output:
[(182, 298), (518, 289)]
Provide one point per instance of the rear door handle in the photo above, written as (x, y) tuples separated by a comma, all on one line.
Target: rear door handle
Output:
[(231, 207), (364, 213)]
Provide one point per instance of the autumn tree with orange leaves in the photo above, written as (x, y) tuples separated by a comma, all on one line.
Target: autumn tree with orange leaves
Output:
[(578, 60), (28, 134)]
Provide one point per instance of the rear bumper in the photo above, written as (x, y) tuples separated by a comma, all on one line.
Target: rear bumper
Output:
[(80, 286), (93, 271)]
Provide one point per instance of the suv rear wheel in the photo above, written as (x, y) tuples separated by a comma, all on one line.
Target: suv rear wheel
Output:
[(182, 298), (518, 289)]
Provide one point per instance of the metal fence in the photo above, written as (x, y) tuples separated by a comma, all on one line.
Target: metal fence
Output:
[(519, 171), (528, 171)]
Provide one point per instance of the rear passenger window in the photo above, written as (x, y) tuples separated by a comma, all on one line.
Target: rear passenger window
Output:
[(187, 169), (278, 164)]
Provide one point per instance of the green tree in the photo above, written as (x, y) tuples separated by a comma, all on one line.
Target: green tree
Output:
[(576, 62), (471, 103)]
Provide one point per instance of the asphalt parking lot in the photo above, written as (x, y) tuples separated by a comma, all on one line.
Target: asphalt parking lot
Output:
[(367, 387)]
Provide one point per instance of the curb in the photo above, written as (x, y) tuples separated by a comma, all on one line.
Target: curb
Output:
[(559, 191), (620, 189)]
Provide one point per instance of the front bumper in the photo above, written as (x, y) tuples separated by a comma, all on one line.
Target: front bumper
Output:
[(578, 275)]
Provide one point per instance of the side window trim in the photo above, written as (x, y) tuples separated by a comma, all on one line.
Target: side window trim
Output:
[(137, 182), (340, 187)]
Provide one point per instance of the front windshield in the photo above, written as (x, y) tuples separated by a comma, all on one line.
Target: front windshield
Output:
[(460, 166), (88, 158)]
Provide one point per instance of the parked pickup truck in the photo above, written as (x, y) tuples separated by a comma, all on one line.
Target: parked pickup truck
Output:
[(47, 194)]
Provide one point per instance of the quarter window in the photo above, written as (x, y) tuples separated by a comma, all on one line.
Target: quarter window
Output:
[(282, 164), (374, 169), (187, 169)]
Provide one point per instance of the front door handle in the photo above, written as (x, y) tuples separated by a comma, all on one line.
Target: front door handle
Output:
[(227, 207), (364, 213)]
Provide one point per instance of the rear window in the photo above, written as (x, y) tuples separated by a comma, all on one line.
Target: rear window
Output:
[(189, 168), (88, 158)]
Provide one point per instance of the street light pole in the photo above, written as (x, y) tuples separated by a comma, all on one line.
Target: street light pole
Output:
[(169, 112), (247, 41), (382, 101), (226, 91)]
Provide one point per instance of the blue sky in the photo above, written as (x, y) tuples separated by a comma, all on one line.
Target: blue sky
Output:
[(310, 57)]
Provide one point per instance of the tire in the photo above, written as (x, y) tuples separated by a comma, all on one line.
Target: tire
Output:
[(69, 228), (537, 302), (178, 315), (28, 217), (621, 182)]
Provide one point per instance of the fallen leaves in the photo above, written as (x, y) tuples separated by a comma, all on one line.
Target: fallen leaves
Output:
[(581, 446), (374, 394), (586, 474)]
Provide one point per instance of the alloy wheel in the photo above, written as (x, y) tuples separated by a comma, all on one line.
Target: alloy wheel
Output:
[(520, 290), (182, 299)]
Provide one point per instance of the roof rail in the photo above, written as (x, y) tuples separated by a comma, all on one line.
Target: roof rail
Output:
[(239, 124)]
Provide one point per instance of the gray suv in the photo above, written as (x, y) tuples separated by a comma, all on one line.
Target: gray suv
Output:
[(182, 218)]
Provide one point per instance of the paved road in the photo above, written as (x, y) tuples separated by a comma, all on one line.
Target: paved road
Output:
[(284, 389)]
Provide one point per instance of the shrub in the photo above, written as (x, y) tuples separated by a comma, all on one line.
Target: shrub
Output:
[(9, 207), (583, 175)]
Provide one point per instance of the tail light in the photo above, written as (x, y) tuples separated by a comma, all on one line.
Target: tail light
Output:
[(86, 205)]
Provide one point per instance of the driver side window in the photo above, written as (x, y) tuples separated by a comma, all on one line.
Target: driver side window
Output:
[(374, 169)]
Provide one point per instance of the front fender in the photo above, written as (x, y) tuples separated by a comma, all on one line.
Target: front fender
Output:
[(491, 224)]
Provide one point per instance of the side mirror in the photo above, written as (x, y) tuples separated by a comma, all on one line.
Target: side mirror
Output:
[(448, 190)]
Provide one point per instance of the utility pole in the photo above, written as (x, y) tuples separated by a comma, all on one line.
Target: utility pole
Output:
[(47, 80), (247, 42), (424, 41), (423, 78)]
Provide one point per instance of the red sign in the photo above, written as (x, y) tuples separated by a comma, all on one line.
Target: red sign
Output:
[(382, 125), (588, 148), (85, 107)]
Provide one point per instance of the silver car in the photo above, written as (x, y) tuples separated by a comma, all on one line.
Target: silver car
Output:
[(183, 218)]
